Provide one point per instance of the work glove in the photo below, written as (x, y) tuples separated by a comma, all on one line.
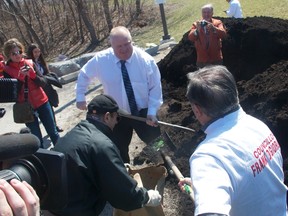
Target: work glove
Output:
[(154, 198), (152, 120)]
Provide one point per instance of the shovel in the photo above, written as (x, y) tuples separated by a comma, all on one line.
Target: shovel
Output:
[(159, 122), (177, 173), (158, 146)]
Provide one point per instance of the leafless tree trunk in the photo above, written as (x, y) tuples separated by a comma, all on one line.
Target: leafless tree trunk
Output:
[(74, 18), (56, 12), (138, 8), (81, 27), (35, 14), (85, 16), (50, 37), (105, 4), (116, 5)]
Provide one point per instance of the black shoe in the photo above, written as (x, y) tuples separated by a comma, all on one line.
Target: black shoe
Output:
[(59, 129)]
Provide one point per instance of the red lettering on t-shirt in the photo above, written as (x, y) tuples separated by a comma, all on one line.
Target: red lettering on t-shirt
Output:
[(264, 153)]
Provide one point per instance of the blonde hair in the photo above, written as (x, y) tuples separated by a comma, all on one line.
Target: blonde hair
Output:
[(11, 44)]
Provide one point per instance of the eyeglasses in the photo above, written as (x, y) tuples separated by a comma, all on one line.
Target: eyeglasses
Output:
[(19, 52)]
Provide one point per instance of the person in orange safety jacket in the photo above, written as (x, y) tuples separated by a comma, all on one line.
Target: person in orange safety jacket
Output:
[(207, 35)]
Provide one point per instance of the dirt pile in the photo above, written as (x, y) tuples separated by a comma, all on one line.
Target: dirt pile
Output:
[(256, 52)]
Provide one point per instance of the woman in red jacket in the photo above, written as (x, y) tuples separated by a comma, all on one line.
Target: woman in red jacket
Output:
[(18, 67)]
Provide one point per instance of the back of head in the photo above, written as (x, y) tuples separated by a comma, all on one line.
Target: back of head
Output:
[(214, 89)]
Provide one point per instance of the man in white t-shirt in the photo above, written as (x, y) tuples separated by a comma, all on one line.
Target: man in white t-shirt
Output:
[(235, 9), (237, 169)]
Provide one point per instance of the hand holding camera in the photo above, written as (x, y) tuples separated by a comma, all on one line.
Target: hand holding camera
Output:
[(24, 69), (207, 26), (203, 23)]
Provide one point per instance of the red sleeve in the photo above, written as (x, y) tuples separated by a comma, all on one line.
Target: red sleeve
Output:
[(220, 29)]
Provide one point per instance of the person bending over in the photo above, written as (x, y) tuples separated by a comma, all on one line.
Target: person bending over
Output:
[(237, 169), (95, 171)]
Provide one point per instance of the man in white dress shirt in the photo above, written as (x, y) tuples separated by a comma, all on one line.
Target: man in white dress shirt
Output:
[(145, 80)]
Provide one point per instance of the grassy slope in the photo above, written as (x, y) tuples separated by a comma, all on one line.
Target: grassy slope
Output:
[(180, 15)]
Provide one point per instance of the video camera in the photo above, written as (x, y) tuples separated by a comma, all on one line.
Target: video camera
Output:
[(21, 158)]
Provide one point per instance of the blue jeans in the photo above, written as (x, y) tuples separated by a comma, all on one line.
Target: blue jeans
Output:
[(46, 116)]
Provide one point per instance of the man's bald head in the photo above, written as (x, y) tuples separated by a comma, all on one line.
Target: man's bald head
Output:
[(121, 42)]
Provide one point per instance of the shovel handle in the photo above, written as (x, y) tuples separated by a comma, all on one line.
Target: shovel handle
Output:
[(159, 122), (178, 174), (174, 168)]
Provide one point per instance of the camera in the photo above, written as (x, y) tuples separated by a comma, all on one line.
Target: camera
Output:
[(26, 68), (8, 90), (21, 158), (203, 23), (44, 170)]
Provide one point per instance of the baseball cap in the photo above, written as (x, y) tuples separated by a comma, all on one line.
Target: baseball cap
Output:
[(103, 103)]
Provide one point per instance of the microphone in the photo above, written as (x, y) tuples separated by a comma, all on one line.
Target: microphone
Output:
[(13, 146)]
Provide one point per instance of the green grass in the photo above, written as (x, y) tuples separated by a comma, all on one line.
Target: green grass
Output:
[(180, 15)]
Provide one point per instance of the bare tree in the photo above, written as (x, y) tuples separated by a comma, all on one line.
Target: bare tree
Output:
[(138, 8), (85, 16), (116, 5), (28, 26), (63, 25), (74, 19), (105, 4)]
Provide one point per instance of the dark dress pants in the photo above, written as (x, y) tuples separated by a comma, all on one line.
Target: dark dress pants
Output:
[(123, 132)]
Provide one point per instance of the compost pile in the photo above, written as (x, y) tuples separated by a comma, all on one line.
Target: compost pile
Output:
[(256, 52)]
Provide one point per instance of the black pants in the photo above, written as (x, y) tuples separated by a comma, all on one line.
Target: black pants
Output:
[(123, 132)]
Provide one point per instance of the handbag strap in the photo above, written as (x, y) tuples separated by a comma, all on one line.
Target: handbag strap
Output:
[(26, 88)]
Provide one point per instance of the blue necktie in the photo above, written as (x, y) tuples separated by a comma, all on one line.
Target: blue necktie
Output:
[(129, 89)]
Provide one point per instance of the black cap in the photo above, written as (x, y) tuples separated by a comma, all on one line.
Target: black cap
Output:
[(103, 103)]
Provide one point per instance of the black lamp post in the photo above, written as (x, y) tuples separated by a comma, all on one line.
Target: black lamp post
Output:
[(166, 36)]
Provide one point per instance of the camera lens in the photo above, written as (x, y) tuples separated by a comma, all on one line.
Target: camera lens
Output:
[(203, 23)]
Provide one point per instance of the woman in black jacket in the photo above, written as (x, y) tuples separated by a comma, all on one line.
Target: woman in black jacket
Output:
[(34, 53)]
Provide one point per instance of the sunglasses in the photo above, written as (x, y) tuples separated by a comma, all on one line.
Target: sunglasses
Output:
[(16, 53)]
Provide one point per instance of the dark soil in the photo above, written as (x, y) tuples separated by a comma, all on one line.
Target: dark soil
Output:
[(256, 52)]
